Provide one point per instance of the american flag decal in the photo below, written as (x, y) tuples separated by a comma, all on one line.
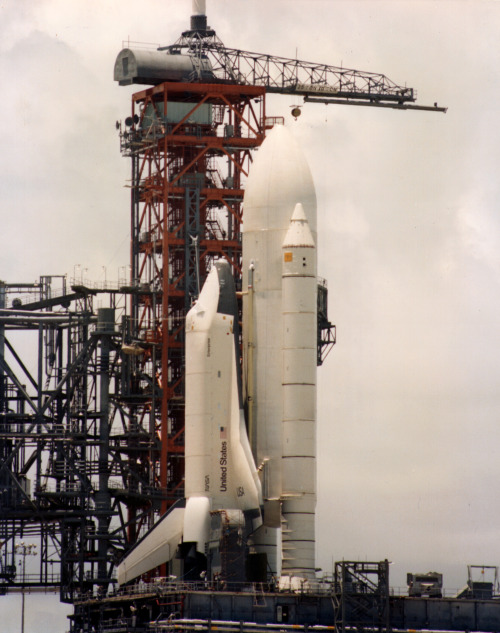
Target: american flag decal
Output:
[(223, 434)]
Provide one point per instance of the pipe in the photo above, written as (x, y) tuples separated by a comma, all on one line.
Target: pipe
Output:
[(250, 343), (28, 313)]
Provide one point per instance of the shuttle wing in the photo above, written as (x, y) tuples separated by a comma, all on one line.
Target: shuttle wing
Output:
[(158, 546)]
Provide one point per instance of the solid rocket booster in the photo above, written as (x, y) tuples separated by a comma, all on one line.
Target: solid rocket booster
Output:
[(220, 472), (299, 313), (279, 179)]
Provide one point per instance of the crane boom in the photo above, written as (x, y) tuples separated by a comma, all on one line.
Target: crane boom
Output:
[(316, 82)]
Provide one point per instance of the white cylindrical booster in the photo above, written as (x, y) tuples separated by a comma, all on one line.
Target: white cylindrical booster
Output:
[(299, 311)]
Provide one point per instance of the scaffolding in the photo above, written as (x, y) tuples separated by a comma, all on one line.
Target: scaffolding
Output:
[(361, 596), (60, 462), (92, 413)]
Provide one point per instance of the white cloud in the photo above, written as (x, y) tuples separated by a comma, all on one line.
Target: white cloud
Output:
[(477, 226)]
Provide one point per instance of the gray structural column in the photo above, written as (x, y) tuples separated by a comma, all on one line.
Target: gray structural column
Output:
[(105, 330)]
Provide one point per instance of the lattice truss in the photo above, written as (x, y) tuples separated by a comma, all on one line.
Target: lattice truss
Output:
[(190, 146)]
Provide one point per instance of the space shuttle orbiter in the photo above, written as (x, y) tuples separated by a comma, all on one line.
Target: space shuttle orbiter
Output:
[(219, 463), (220, 473)]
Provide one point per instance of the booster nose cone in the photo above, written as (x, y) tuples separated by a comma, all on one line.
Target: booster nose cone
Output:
[(279, 178), (299, 233)]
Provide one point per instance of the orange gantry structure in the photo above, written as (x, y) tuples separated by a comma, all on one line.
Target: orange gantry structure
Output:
[(190, 146)]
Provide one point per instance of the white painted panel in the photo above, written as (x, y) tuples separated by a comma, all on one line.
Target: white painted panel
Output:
[(197, 522), (299, 367), (300, 328), (299, 294), (301, 407), (299, 438), (299, 474)]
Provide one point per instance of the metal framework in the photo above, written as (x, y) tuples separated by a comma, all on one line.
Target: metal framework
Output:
[(190, 147), (326, 333), (361, 595), (173, 605), (292, 76), (63, 473)]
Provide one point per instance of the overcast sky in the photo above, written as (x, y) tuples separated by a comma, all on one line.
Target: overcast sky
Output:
[(409, 226)]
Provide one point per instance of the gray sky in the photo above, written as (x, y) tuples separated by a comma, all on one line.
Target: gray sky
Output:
[(409, 400)]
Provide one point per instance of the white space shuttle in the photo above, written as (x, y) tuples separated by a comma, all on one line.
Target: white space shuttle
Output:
[(220, 473), (272, 507), (219, 466)]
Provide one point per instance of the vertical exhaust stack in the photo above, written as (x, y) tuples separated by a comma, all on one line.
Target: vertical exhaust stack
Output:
[(279, 179), (199, 7), (199, 16)]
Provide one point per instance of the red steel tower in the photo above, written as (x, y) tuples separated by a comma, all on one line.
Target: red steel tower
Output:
[(190, 146)]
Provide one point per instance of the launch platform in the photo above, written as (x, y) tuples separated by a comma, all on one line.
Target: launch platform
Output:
[(357, 597)]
